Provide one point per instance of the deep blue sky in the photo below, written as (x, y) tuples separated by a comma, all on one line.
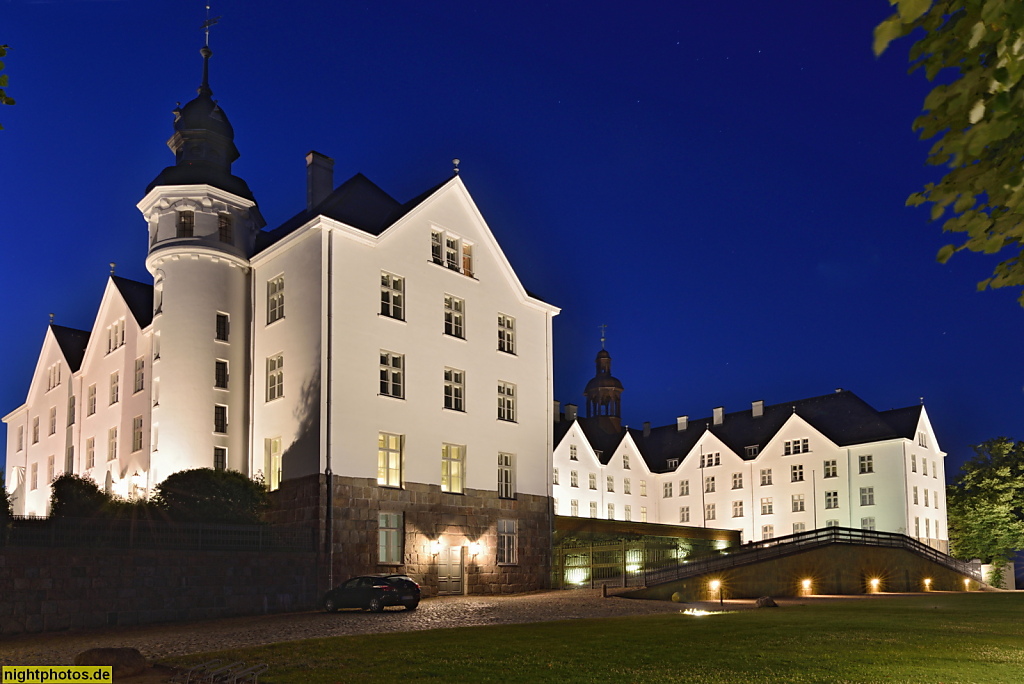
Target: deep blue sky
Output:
[(723, 184)]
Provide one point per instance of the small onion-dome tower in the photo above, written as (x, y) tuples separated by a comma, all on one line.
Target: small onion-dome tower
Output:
[(604, 391), (203, 223)]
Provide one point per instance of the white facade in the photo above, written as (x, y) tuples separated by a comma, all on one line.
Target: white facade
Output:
[(798, 479)]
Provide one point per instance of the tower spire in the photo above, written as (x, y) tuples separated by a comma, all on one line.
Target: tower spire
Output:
[(206, 52)]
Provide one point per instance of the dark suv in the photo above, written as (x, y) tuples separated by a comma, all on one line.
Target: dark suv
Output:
[(373, 593)]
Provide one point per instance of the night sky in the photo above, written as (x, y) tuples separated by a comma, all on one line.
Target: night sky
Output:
[(722, 184)]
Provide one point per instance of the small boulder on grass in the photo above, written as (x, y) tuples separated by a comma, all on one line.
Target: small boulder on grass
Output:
[(126, 662), (767, 602)]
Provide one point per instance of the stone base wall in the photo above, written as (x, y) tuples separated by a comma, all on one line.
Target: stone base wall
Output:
[(50, 589), (433, 520)]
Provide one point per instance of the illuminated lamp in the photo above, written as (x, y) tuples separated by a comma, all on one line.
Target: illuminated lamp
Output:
[(435, 547), (806, 584), (475, 548), (927, 584), (874, 584)]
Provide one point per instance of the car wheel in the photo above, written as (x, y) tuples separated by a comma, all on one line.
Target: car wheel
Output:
[(330, 606), (376, 605), (412, 605)]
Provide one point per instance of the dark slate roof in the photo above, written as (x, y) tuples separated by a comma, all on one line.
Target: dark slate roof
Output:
[(843, 417), (357, 202), (139, 298), (72, 343)]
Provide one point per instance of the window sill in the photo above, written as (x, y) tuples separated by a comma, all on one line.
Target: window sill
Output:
[(276, 320), (506, 420), (453, 410), (507, 353), (461, 338), (390, 318), (390, 396), (445, 491), (506, 565), (387, 486), (441, 264)]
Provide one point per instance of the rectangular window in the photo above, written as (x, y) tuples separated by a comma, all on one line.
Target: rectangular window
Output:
[(274, 462), (453, 463), (506, 334), (795, 446), (767, 507), (709, 511), (115, 335), (574, 508), (922, 439), (643, 514), (643, 487), (186, 224), (508, 543), (220, 418), (220, 374), (831, 523), (574, 479), (506, 476), (389, 459), (767, 531), (49, 469), (927, 528), (737, 509), (454, 316), (115, 387), (275, 299), (112, 444), (766, 476), (222, 328), (831, 499), (913, 463), (573, 454), (71, 410), (34, 481), (452, 252), (926, 498), (593, 481), (137, 433), (507, 401), (610, 483), (275, 377), (867, 496), (436, 247), (140, 375), (737, 480), (708, 460), (799, 527), (467, 259), (867, 463), (667, 490), (796, 473), (392, 296), (917, 527), (611, 511), (90, 452), (454, 389), (220, 458), (752, 451), (684, 488), (798, 503), (392, 374), (35, 430), (52, 376), (225, 228), (867, 523), (554, 476), (593, 509), (924, 466), (672, 463), (53, 420), (390, 534), (684, 514), (91, 401), (21, 438), (915, 495), (625, 461), (709, 484), (831, 469), (626, 487)]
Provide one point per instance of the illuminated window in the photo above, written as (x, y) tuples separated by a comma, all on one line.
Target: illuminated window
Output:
[(454, 316), (274, 462), (508, 542), (389, 460), (392, 374), (452, 252), (390, 534), (799, 527), (667, 490), (867, 496), (186, 224), (112, 444), (643, 487), (593, 481), (709, 484), (610, 483), (626, 486), (593, 509), (766, 476), (767, 507), (625, 461), (867, 464), (275, 377), (506, 334), (225, 228), (507, 402), (140, 375), (453, 463), (684, 514), (574, 508), (796, 473), (831, 499), (611, 511), (643, 514), (554, 476), (90, 452), (574, 479), (454, 389), (795, 446), (222, 328), (867, 523), (506, 476), (34, 479), (798, 503), (831, 469), (709, 511), (137, 433), (220, 418), (737, 480), (115, 387), (737, 509), (275, 299), (220, 458), (767, 531), (684, 488)]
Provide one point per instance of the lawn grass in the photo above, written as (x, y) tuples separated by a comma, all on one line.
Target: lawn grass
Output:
[(973, 637)]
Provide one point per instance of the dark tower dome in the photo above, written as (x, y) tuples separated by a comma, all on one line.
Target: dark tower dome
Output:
[(604, 391), (203, 143)]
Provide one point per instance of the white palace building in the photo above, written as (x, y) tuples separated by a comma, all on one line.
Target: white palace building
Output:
[(381, 366)]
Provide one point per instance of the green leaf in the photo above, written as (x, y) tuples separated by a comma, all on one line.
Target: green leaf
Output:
[(945, 253), (886, 32), (911, 10)]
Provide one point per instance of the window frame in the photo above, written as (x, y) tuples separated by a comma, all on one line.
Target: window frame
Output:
[(453, 468), (506, 401), (506, 334), (390, 538), (391, 380), (390, 460), (454, 389), (454, 316), (275, 377), (506, 475), (275, 298)]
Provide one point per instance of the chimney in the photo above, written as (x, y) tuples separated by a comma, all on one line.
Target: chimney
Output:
[(719, 414), (647, 428), (570, 412), (558, 412), (757, 408), (681, 423), (319, 178)]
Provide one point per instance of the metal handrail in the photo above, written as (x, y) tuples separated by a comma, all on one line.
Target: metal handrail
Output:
[(804, 541)]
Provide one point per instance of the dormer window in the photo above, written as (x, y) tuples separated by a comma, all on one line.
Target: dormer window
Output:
[(672, 463), (186, 224), (452, 252)]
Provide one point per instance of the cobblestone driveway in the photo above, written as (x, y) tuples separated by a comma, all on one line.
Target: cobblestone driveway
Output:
[(159, 641)]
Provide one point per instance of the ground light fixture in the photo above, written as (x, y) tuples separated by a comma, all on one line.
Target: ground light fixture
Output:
[(927, 584), (967, 584), (874, 583), (716, 585), (806, 584)]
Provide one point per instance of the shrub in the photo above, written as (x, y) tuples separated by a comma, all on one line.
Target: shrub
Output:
[(212, 496), (74, 496)]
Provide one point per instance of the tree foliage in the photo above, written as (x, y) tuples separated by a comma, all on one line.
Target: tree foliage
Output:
[(4, 98), (207, 495), (976, 115), (6, 509), (74, 496), (986, 503)]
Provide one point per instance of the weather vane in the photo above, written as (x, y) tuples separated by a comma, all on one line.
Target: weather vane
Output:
[(456, 162), (208, 23), (603, 327)]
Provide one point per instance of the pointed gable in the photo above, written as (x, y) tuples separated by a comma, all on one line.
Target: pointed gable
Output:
[(72, 343), (139, 298)]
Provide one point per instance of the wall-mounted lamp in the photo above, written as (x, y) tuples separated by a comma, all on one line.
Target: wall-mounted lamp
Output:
[(874, 584), (967, 584), (475, 548), (806, 584), (435, 547)]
